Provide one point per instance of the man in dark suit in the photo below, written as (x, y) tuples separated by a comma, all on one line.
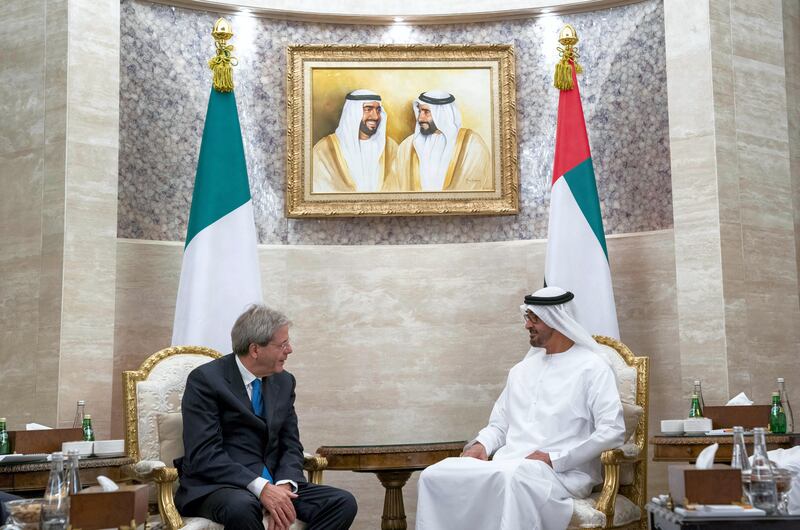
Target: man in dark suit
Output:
[(243, 452)]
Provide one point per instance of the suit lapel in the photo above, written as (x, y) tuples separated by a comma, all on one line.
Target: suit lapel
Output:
[(270, 397), (234, 379)]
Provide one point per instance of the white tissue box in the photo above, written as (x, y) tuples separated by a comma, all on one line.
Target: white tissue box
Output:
[(696, 425), (672, 426)]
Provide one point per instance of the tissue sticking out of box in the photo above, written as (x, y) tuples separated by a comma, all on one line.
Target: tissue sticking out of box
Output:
[(36, 427), (106, 483), (705, 460), (739, 399)]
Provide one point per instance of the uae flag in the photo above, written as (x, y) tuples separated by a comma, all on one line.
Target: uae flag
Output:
[(577, 257), (220, 275)]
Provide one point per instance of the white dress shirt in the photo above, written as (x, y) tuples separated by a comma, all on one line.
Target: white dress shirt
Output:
[(257, 485)]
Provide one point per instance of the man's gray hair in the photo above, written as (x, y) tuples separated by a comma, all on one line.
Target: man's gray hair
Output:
[(256, 325)]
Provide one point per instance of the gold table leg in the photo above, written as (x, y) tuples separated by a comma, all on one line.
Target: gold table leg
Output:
[(394, 513)]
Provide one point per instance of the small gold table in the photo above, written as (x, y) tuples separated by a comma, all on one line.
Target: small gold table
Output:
[(686, 448), (393, 464)]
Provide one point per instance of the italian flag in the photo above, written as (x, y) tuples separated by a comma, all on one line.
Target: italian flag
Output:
[(220, 275), (577, 257)]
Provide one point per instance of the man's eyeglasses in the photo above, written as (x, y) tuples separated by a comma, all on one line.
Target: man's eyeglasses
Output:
[(529, 317), (283, 346)]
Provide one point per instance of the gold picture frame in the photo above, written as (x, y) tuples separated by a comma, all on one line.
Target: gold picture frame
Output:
[(440, 139)]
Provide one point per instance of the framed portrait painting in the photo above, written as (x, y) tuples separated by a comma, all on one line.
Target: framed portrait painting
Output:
[(401, 130)]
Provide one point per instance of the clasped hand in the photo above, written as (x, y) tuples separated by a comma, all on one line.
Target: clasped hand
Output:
[(476, 450), (540, 455), (277, 500)]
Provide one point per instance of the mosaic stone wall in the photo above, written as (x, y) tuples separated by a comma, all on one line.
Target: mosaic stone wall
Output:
[(164, 86)]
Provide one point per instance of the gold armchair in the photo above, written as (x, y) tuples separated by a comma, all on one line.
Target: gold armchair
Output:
[(620, 502), (154, 427)]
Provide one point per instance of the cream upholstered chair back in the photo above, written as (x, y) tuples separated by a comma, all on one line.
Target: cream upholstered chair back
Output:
[(155, 390)]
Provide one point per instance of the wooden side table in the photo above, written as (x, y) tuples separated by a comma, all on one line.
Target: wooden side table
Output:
[(393, 464), (686, 448), (32, 477), (663, 519)]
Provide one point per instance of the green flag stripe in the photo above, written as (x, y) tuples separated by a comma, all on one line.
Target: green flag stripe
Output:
[(220, 185), (584, 188)]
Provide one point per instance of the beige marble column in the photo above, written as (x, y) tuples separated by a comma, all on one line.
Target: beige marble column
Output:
[(791, 48), (735, 236), (58, 162), (22, 175)]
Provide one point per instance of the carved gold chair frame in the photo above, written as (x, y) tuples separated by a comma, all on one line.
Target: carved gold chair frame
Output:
[(166, 477), (636, 492)]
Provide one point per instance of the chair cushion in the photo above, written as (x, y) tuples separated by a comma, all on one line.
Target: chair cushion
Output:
[(631, 414), (584, 514), (170, 436), (626, 375)]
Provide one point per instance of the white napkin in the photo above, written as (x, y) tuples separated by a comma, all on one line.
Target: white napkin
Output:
[(739, 399), (705, 460), (36, 427), (106, 483)]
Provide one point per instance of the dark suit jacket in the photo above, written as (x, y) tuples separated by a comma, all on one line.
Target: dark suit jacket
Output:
[(225, 443)]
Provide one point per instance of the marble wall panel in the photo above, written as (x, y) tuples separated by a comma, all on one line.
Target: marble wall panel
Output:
[(22, 167), (90, 220), (405, 343), (791, 35), (164, 92), (648, 317)]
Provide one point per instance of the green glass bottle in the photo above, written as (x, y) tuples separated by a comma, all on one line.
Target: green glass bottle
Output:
[(5, 444), (777, 418), (695, 411), (88, 432)]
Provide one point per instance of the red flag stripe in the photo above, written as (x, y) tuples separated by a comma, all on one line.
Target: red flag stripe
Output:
[(572, 142)]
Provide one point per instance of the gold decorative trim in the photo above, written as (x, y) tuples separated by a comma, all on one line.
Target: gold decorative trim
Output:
[(504, 201), (131, 377), (637, 491)]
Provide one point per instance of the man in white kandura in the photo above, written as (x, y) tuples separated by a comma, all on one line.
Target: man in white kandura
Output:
[(559, 410), (356, 158), (440, 155)]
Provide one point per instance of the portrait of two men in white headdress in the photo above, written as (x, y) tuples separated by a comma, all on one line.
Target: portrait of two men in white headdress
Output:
[(440, 155)]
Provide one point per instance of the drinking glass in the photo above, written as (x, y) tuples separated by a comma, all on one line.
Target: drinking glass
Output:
[(23, 514)]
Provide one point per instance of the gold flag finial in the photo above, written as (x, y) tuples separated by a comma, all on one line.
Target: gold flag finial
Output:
[(568, 38), (223, 62)]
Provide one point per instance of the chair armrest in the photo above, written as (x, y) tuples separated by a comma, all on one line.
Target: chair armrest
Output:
[(620, 455), (314, 465), (143, 470), (611, 461), (164, 478)]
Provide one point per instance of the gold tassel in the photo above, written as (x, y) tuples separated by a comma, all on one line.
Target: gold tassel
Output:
[(569, 59), (223, 62)]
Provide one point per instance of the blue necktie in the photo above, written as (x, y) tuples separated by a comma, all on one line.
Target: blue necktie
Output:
[(258, 407)]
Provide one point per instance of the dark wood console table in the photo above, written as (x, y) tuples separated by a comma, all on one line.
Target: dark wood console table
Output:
[(31, 477), (393, 464), (686, 448)]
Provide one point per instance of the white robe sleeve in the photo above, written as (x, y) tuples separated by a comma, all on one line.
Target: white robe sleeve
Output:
[(493, 436), (609, 428)]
